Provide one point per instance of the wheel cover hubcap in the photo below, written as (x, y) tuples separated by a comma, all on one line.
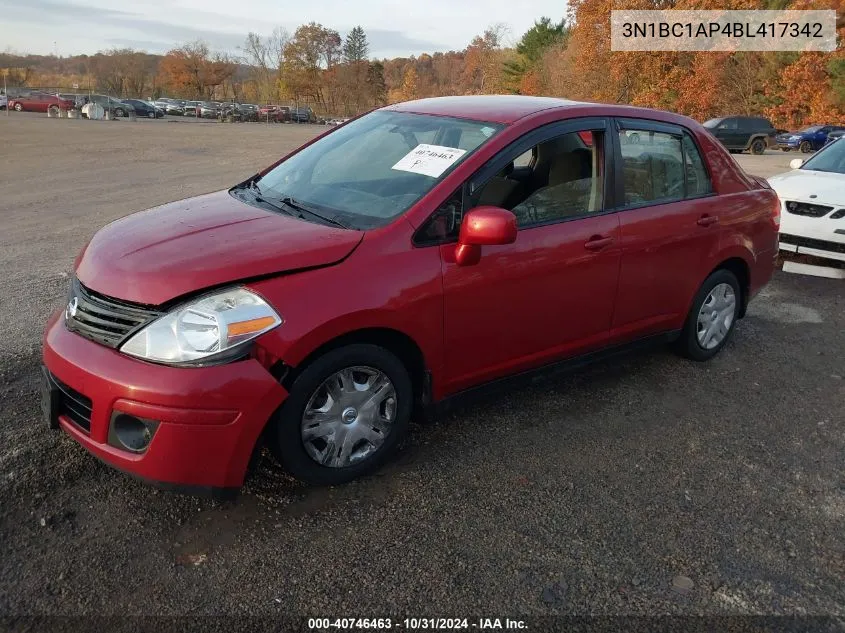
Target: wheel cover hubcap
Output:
[(716, 316), (348, 417)]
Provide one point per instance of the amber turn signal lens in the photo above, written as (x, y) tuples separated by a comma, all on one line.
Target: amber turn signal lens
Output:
[(248, 327)]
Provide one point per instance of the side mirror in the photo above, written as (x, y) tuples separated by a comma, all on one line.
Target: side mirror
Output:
[(484, 226), (796, 163)]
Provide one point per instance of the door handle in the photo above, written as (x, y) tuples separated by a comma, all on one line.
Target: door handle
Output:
[(598, 242), (707, 220)]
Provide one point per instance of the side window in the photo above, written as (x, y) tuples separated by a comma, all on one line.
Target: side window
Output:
[(698, 182), (445, 223), (525, 159), (728, 124), (563, 179), (652, 170), (560, 178)]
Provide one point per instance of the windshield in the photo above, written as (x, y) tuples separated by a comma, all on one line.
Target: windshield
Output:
[(811, 130), (373, 169), (712, 123), (830, 159)]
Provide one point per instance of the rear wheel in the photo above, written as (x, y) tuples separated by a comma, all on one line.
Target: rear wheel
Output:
[(119, 112), (758, 146), (805, 147), (712, 317), (18, 107), (346, 413)]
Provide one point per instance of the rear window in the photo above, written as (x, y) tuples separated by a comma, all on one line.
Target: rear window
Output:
[(712, 123)]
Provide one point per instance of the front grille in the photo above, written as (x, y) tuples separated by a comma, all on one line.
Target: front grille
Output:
[(808, 242), (103, 319), (805, 208), (73, 405)]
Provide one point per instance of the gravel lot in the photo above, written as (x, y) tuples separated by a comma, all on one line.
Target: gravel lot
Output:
[(647, 485)]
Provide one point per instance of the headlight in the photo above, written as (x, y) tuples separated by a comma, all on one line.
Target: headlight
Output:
[(212, 328)]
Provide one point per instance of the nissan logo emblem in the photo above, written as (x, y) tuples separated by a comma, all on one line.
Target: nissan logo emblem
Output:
[(70, 311)]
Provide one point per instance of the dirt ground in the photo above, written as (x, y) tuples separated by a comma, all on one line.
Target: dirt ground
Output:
[(647, 485)]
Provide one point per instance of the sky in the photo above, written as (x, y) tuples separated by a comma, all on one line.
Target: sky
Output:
[(395, 28)]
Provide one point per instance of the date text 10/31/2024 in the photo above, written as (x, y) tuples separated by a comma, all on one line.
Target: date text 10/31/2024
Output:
[(358, 624)]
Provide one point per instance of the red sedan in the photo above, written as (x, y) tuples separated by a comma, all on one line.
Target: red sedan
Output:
[(391, 266), (40, 102)]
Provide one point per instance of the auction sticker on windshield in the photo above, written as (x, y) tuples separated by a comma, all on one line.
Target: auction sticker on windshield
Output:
[(430, 160)]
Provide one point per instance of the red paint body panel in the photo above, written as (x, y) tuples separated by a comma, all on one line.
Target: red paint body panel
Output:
[(210, 417), (557, 291), (178, 248), (524, 304)]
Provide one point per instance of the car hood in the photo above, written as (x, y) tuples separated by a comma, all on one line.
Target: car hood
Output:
[(800, 184), (182, 247)]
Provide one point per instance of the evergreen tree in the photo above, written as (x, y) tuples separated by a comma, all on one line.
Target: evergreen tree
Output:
[(355, 48)]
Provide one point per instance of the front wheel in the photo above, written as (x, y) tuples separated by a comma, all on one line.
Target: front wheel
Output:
[(346, 413), (151, 114), (758, 146), (119, 112), (712, 317), (18, 107), (54, 110), (805, 147)]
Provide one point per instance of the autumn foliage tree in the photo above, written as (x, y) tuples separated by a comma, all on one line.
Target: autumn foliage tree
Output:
[(569, 57), (194, 71)]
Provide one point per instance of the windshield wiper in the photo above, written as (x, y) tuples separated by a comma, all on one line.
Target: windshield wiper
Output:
[(292, 206), (258, 196), (299, 206)]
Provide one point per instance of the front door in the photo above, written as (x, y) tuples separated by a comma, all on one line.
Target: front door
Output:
[(550, 294)]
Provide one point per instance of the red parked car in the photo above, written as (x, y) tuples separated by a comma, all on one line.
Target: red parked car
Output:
[(40, 102), (390, 266), (275, 113)]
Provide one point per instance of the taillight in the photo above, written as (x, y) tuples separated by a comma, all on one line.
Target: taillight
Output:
[(776, 213)]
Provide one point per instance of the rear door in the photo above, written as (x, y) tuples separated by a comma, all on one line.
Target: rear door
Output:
[(669, 227)]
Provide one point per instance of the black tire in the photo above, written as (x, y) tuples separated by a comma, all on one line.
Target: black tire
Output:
[(54, 110), (119, 112), (152, 114), (687, 344), (285, 440), (805, 147), (18, 107), (758, 146)]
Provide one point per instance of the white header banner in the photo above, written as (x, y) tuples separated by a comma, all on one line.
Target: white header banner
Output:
[(677, 30)]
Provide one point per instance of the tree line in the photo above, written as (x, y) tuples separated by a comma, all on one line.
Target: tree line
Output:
[(569, 57)]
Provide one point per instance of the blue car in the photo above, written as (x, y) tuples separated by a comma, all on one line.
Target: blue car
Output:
[(807, 140)]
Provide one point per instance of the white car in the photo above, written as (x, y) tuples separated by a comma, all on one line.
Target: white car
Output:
[(4, 102), (812, 199)]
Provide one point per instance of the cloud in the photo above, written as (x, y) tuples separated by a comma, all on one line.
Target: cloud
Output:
[(128, 28)]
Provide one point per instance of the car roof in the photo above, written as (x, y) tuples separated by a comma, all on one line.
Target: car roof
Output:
[(507, 109), (497, 108)]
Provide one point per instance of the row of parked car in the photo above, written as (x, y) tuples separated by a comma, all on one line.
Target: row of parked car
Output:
[(239, 111), (756, 134), (39, 101)]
